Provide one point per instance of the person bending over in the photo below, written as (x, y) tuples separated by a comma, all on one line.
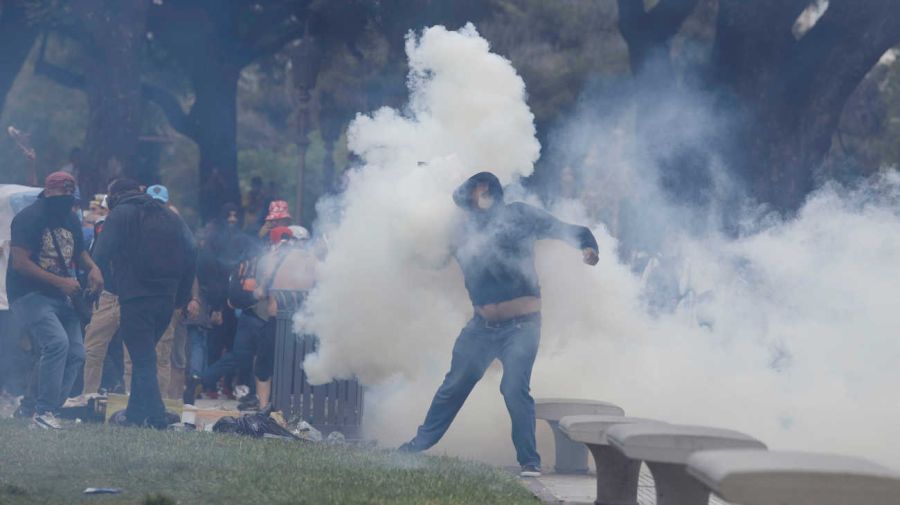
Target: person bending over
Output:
[(495, 250)]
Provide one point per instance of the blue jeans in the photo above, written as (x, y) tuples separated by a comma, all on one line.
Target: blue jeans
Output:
[(240, 359), (198, 349), (515, 344), (55, 331)]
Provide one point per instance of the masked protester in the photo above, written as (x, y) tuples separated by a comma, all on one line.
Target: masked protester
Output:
[(152, 257), (495, 250), (46, 246)]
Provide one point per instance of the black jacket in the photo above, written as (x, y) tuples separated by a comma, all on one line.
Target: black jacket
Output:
[(113, 253)]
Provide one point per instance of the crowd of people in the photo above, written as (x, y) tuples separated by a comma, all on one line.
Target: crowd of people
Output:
[(119, 296)]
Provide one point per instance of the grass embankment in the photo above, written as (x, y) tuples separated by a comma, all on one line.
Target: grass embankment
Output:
[(38, 466)]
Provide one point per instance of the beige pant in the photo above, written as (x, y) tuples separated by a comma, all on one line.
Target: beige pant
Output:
[(103, 326), (104, 323), (163, 357)]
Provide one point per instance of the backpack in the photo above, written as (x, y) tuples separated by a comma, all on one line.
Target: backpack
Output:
[(160, 252), (242, 285)]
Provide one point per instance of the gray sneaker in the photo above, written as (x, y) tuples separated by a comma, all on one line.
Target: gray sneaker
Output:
[(47, 421), (530, 471)]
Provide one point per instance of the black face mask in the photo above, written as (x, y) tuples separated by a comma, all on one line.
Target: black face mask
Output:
[(59, 206)]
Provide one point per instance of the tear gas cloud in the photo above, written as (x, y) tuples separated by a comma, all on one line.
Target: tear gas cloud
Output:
[(788, 333)]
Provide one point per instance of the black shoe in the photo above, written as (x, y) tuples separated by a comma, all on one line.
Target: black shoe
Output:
[(24, 412), (409, 448), (248, 402), (530, 471), (190, 390)]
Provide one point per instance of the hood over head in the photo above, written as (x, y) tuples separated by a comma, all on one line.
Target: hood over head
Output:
[(461, 197)]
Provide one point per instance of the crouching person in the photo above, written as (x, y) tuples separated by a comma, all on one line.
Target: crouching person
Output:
[(151, 254)]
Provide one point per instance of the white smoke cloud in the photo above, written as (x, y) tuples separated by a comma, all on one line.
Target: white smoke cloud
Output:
[(385, 298), (789, 333)]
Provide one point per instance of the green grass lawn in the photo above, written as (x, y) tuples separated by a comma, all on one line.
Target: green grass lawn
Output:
[(45, 467)]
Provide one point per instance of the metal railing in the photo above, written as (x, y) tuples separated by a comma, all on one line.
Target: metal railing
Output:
[(336, 406)]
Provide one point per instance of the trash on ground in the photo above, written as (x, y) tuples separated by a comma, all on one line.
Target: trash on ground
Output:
[(103, 490), (336, 438), (255, 425), (304, 431)]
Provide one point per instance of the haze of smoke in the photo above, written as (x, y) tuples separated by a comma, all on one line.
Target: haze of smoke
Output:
[(789, 333), (385, 297)]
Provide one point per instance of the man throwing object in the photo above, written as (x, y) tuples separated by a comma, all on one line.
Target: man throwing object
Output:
[(495, 250)]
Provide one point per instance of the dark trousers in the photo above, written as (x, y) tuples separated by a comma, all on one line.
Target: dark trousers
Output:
[(239, 360), (265, 351), (143, 321), (515, 344)]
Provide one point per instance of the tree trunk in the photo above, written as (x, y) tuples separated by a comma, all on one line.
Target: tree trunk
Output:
[(781, 97), (789, 93), (214, 127), (17, 37), (659, 97), (115, 37), (305, 59)]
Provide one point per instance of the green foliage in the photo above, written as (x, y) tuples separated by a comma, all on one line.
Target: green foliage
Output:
[(557, 46)]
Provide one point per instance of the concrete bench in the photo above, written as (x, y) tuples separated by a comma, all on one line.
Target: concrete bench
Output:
[(571, 457), (665, 448), (775, 478), (617, 476)]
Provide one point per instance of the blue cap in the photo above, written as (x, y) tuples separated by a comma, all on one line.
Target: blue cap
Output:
[(159, 192)]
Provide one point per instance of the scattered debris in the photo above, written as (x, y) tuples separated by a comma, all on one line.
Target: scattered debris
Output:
[(304, 431), (241, 391), (103, 490), (255, 425), (336, 438), (182, 427)]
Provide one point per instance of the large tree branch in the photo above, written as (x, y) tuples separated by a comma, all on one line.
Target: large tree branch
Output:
[(165, 100), (17, 36), (273, 44), (751, 38), (832, 59), (271, 15), (171, 107), (660, 24), (648, 34)]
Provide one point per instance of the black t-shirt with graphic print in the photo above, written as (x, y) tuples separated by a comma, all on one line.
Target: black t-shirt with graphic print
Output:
[(30, 230)]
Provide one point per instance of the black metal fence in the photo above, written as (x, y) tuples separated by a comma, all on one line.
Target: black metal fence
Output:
[(337, 406)]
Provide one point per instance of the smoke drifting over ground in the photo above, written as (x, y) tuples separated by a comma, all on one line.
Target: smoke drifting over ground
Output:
[(789, 333)]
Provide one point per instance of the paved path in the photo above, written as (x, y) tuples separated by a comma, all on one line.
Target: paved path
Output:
[(582, 489)]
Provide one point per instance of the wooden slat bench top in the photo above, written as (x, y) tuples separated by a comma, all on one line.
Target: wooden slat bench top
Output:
[(797, 478), (674, 443)]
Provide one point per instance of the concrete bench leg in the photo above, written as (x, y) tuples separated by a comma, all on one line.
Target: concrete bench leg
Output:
[(675, 487), (571, 457), (617, 476)]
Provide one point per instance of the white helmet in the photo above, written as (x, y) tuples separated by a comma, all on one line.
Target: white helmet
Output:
[(300, 233)]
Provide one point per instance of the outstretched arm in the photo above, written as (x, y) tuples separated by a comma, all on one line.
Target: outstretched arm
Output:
[(546, 225)]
